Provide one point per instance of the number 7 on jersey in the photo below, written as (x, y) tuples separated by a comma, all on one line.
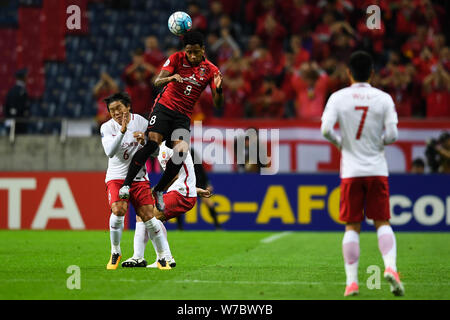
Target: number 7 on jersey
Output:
[(363, 119)]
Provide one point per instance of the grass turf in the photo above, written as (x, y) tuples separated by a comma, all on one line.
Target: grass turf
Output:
[(217, 265)]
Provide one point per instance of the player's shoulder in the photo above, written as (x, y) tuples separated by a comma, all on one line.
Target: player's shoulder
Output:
[(107, 126), (138, 117), (210, 65), (177, 56)]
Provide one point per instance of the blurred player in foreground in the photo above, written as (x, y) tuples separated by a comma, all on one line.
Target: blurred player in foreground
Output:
[(119, 140), (184, 76), (181, 197), (362, 113)]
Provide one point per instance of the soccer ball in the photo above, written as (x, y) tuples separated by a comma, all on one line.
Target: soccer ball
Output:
[(179, 23)]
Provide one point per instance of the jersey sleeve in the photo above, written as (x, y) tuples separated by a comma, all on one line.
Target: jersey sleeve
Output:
[(390, 115), (171, 63), (330, 115), (110, 142)]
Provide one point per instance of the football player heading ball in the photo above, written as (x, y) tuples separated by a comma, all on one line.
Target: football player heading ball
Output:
[(183, 77)]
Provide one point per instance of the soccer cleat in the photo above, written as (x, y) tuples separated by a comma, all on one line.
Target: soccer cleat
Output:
[(351, 290), (113, 262), (159, 200), (124, 192), (134, 263), (394, 280), (154, 265), (171, 262), (162, 264)]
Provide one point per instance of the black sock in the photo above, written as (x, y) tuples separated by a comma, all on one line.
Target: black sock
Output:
[(169, 174), (138, 161), (213, 213)]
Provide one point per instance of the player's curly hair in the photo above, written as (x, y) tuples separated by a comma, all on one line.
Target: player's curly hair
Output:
[(119, 96), (193, 38)]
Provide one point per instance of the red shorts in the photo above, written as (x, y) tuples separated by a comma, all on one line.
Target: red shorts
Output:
[(369, 195), (140, 193), (176, 204)]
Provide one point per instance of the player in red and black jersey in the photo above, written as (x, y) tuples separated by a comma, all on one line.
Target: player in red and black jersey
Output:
[(184, 76)]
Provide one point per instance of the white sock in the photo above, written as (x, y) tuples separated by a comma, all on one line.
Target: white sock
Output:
[(140, 240), (350, 251), (387, 246), (115, 232), (157, 235), (164, 230)]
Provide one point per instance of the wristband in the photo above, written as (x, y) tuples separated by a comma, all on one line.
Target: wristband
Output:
[(219, 90)]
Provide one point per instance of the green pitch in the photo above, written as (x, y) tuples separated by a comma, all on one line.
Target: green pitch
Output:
[(217, 265)]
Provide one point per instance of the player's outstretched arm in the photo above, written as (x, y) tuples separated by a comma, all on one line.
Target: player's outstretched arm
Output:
[(203, 193), (164, 78), (110, 142)]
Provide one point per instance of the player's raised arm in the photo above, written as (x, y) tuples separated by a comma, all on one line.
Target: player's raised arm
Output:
[(164, 77), (217, 90)]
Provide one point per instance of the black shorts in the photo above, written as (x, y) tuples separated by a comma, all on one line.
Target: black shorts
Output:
[(165, 121)]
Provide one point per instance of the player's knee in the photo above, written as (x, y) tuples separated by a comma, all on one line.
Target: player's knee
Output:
[(119, 211)]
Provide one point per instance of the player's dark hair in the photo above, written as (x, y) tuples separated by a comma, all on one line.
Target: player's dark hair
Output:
[(361, 66), (418, 162), (119, 96), (193, 38)]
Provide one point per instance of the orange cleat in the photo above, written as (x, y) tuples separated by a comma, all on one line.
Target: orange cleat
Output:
[(351, 290)]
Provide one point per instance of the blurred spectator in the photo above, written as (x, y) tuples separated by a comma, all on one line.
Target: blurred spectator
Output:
[(300, 55), (437, 90), (423, 63), (438, 153), (214, 14), (337, 72), (268, 102), (105, 87), (223, 48), (138, 79), (153, 54), (273, 33), (310, 83), (299, 15), (398, 85), (17, 104), (199, 21), (253, 43), (236, 89), (418, 166), (406, 21)]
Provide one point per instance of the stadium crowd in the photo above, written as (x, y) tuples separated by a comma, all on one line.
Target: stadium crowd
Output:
[(282, 59)]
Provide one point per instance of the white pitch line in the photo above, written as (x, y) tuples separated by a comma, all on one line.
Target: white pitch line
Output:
[(285, 283), (276, 237)]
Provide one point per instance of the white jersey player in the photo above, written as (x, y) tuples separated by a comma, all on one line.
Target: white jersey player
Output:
[(181, 197), (120, 140), (367, 122)]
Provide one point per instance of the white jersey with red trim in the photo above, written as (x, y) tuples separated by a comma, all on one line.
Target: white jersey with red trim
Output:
[(185, 183), (362, 112), (120, 148)]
